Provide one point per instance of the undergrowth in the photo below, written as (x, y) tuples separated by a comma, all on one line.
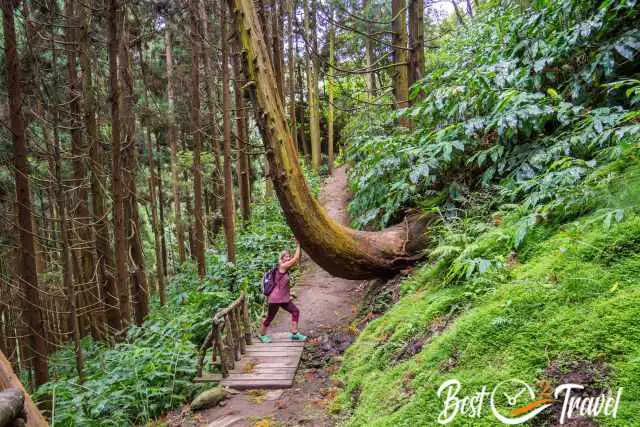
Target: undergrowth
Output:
[(150, 372), (525, 144)]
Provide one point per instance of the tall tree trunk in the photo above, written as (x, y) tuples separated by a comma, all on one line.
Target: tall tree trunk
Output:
[(195, 135), (210, 85), (155, 225), (276, 44), (339, 250), (80, 213), (370, 54), (304, 142), (399, 41), (416, 40), (27, 270), (291, 62), (172, 136), (241, 138), (76, 139), (228, 207), (330, 136), (163, 240), (118, 190), (469, 8), (138, 275), (108, 289), (312, 83)]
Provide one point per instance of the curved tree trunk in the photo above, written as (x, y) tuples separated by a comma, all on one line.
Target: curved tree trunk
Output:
[(340, 250)]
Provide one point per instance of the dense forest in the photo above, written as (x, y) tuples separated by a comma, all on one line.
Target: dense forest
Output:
[(158, 156)]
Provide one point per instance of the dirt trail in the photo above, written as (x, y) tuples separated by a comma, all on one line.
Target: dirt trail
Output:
[(327, 305)]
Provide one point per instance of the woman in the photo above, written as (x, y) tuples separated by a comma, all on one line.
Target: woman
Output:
[(281, 298)]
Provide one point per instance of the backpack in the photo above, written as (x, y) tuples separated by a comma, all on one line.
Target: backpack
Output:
[(269, 281)]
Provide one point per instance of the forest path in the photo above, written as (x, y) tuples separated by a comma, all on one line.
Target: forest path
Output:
[(327, 306)]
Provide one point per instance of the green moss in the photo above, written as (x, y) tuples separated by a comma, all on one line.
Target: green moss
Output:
[(574, 297)]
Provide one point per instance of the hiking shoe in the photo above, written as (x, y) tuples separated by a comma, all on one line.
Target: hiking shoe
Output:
[(297, 337), (264, 338)]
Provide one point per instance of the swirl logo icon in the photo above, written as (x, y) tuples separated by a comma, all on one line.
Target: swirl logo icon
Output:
[(514, 402)]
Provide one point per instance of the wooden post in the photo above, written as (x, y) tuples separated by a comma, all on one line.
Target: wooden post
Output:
[(239, 328), (9, 379), (231, 351), (247, 322), (217, 339), (234, 333)]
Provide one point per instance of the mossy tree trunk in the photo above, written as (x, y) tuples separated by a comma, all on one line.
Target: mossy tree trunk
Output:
[(338, 249)]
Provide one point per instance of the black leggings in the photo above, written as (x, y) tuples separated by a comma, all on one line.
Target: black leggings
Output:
[(273, 309)]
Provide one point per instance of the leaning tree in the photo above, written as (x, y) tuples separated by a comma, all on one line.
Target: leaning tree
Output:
[(340, 250)]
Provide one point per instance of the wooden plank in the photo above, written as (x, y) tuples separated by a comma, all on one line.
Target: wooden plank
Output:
[(8, 379), (274, 354), (269, 349), (261, 370), (280, 364), (226, 421), (208, 378), (252, 384), (261, 377), (277, 344)]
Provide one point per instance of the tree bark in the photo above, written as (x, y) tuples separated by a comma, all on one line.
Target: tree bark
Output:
[(228, 207), (370, 54), (330, 71), (416, 40), (210, 85), (117, 187), (172, 136), (137, 269), (276, 44), (312, 83), (163, 240), (67, 265), (399, 39), (241, 138), (107, 286), (291, 63), (339, 250), (155, 225), (27, 270), (197, 142)]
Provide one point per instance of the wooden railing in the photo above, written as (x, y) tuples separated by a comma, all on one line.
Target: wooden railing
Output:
[(230, 334), (16, 406)]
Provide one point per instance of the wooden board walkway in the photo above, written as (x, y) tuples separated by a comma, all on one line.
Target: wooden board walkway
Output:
[(268, 366)]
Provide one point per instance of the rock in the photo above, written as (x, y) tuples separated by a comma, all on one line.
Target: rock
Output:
[(209, 398)]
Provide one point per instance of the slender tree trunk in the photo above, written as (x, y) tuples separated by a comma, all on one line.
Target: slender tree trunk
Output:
[(303, 137), (469, 8), (27, 270), (458, 12), (155, 225), (339, 250), (312, 83), (228, 207), (76, 139), (241, 138), (161, 209), (138, 283), (292, 73), (370, 54), (80, 213), (210, 84), (172, 136), (330, 136), (276, 44), (195, 135), (107, 285), (416, 40), (399, 40), (117, 186)]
